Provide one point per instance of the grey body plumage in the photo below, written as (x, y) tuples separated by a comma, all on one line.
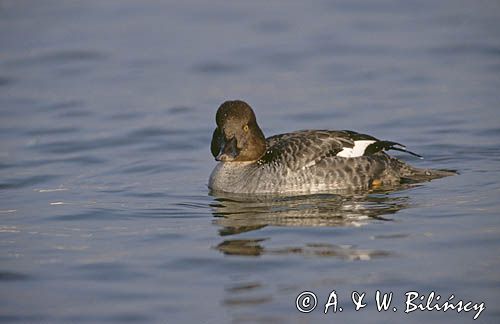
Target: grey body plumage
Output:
[(309, 161)]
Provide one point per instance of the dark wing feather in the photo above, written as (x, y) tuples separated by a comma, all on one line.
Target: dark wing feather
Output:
[(386, 146), (355, 136), (379, 146), (302, 148)]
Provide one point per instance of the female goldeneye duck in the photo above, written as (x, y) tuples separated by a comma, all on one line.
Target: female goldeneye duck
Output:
[(307, 161)]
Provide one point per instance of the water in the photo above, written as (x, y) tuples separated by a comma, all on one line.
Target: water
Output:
[(107, 109)]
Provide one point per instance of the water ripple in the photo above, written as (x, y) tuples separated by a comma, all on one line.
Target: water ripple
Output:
[(180, 110), (58, 57), (108, 271), (52, 131), (63, 105), (13, 276), (169, 138), (6, 81), (466, 49), (22, 182), (218, 68)]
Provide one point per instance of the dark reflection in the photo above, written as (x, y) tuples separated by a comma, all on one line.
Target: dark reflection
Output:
[(344, 252), (236, 214), (241, 247)]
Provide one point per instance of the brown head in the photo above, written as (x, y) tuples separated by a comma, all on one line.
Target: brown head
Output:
[(237, 137)]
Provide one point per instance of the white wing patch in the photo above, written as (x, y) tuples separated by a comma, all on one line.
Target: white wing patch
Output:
[(358, 149)]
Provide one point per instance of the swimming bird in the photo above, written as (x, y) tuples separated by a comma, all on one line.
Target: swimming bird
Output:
[(305, 161)]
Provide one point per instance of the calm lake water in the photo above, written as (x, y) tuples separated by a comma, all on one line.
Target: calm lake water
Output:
[(107, 111)]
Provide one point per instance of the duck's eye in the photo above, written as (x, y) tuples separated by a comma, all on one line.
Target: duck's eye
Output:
[(245, 128)]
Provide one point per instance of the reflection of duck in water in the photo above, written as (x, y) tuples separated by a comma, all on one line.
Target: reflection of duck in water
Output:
[(239, 213), (303, 161)]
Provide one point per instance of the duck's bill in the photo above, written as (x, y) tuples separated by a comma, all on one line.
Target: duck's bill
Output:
[(228, 151), (223, 149)]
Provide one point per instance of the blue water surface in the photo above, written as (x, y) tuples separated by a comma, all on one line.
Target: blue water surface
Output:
[(106, 114)]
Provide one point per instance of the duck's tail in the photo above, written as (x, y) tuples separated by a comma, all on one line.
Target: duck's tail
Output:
[(411, 174)]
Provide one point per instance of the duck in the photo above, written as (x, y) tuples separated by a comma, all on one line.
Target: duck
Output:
[(304, 161)]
